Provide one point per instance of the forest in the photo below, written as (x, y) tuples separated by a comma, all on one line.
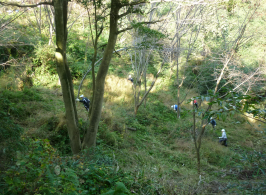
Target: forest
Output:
[(133, 97)]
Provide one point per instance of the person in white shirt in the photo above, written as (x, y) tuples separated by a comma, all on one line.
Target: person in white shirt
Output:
[(223, 139)]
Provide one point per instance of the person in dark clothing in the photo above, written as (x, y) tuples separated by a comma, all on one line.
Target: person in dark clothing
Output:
[(85, 101), (195, 103), (130, 78), (223, 139), (213, 122)]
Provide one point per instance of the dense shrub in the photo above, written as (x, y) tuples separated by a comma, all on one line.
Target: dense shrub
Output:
[(45, 60), (40, 171), (10, 134), (78, 69), (21, 96), (15, 101)]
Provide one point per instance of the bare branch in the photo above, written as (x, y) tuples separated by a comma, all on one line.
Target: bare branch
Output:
[(18, 5), (2, 27), (152, 84), (90, 68)]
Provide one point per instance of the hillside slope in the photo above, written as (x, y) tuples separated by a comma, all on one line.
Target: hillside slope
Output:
[(155, 156)]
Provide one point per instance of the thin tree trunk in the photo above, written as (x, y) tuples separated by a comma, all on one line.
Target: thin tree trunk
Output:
[(50, 34), (198, 160), (90, 136), (178, 55), (144, 64), (195, 139)]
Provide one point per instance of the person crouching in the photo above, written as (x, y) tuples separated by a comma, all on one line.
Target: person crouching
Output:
[(223, 139), (130, 78), (85, 101), (175, 107), (213, 122)]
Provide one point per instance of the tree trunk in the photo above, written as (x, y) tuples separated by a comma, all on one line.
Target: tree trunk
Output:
[(196, 140), (90, 137), (198, 160), (178, 55), (61, 8)]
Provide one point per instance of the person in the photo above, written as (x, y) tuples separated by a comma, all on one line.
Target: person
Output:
[(195, 103), (212, 122), (85, 102), (130, 78), (175, 107), (223, 139)]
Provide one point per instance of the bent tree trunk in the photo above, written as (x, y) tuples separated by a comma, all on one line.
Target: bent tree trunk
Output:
[(61, 8), (90, 137)]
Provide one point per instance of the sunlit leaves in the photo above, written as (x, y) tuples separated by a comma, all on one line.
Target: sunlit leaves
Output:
[(233, 103)]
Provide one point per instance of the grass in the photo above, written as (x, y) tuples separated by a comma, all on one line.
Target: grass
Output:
[(159, 157), (160, 154)]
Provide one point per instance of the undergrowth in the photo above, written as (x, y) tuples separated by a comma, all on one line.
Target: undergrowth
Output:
[(149, 153)]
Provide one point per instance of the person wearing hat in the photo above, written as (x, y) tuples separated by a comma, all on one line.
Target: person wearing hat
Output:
[(212, 122), (223, 139), (85, 102), (175, 107), (130, 78)]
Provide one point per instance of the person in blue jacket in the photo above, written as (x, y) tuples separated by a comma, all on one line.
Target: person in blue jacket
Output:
[(213, 122), (85, 101), (175, 107)]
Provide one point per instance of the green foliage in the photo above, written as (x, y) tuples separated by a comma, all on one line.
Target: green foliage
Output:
[(254, 161), (44, 60), (162, 143), (14, 51), (111, 138), (150, 34), (229, 105), (13, 106), (83, 125), (120, 189), (34, 172), (59, 137), (98, 171), (251, 165), (247, 188), (10, 133), (41, 171), (215, 155), (143, 30), (78, 69), (231, 5), (16, 100), (203, 78), (20, 96), (77, 50)]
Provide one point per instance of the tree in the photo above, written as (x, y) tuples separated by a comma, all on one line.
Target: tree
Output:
[(188, 20), (231, 101), (61, 10), (147, 44), (115, 16)]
